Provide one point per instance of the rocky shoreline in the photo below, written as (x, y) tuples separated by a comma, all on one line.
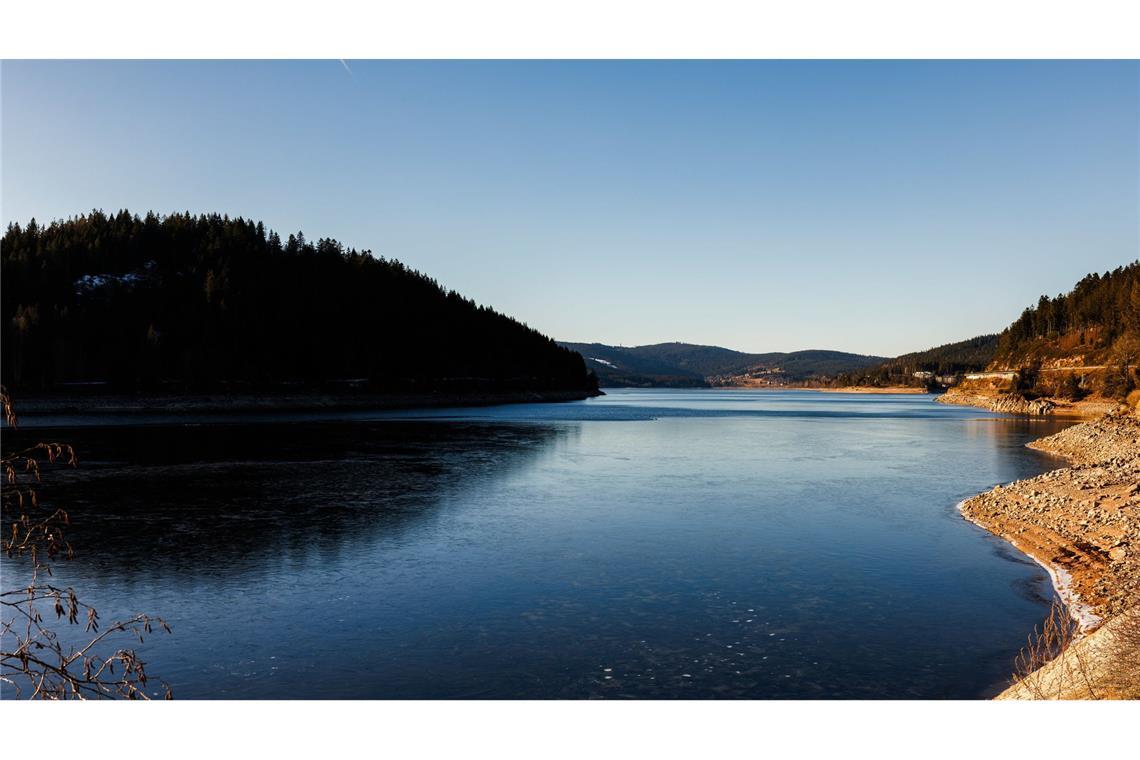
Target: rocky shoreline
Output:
[(1082, 523), (1015, 403)]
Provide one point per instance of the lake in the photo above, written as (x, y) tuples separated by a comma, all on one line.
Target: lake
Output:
[(644, 544)]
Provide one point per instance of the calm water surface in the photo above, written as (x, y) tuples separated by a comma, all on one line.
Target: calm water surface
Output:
[(662, 544)]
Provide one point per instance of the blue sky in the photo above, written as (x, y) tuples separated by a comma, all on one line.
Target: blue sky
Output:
[(877, 207)]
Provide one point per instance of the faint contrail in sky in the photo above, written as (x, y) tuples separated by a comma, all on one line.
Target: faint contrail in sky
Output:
[(345, 64)]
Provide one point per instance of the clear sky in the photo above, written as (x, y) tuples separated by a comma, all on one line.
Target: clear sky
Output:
[(876, 207)]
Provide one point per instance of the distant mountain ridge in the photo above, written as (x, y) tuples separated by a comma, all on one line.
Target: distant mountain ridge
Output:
[(1092, 332), (687, 365)]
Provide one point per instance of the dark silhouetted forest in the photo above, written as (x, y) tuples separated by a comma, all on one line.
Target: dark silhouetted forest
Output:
[(185, 302)]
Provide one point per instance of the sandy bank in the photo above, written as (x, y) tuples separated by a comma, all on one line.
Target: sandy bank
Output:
[(1082, 523), (870, 389), (764, 386)]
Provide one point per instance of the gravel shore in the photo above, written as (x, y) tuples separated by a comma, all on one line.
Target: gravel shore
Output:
[(1083, 523), (1013, 403)]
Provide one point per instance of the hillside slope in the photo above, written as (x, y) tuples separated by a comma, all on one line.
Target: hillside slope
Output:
[(185, 302), (1096, 323), (618, 367), (690, 365), (1077, 352), (950, 359), (1084, 342)]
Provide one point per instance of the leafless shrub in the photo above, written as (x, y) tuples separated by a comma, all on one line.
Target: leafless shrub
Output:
[(34, 662), (1058, 664), (1125, 653), (1071, 674)]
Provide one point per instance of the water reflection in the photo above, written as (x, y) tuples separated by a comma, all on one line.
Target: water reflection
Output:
[(177, 503), (654, 545)]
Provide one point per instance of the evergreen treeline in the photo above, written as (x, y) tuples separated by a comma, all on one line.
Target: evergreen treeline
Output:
[(200, 302), (1097, 323), (1099, 319), (949, 359)]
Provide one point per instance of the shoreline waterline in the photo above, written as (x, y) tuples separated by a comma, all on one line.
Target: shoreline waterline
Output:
[(1078, 522), (242, 403), (641, 548), (1060, 578)]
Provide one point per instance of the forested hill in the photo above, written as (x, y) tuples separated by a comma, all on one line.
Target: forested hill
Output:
[(969, 355), (211, 302), (689, 365), (1096, 323)]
